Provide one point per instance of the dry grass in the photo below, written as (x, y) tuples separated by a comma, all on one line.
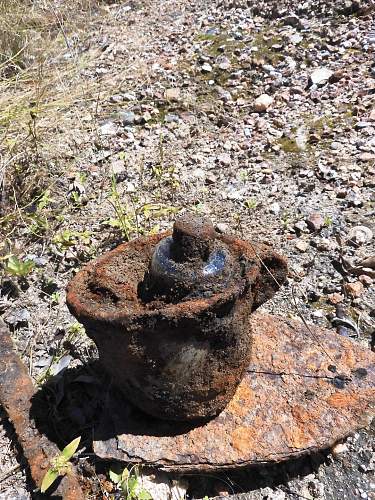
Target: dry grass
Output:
[(40, 81)]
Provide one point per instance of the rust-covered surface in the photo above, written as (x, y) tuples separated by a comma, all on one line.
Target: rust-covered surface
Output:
[(16, 393), (175, 359), (305, 389)]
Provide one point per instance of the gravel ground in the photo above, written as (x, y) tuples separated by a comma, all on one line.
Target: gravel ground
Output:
[(260, 115)]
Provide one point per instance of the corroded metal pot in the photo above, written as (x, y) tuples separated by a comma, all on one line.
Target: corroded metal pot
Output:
[(182, 360)]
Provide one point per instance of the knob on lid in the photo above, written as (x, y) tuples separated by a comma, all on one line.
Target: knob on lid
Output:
[(192, 238)]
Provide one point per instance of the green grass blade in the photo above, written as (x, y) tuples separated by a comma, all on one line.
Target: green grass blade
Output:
[(71, 448), (50, 476)]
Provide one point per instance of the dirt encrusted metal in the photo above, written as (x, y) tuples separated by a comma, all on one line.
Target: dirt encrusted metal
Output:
[(305, 389), (16, 394), (170, 315)]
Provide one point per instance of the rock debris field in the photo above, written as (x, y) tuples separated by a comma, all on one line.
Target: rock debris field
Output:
[(259, 115)]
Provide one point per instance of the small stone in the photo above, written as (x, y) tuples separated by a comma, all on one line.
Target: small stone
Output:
[(336, 76), (222, 228), (339, 448), (296, 38), (118, 167), (206, 68), (336, 145), (127, 117), (371, 116), (130, 187), (293, 20), (367, 157), (275, 208), (354, 290), (335, 298), (18, 317), (224, 158), (129, 97), (360, 235), (117, 98), (366, 280), (223, 94), (354, 199), (318, 313), (223, 63), (320, 76), (172, 94), (325, 245), (315, 222), (302, 245), (108, 128), (147, 117), (171, 118), (301, 227), (361, 124), (262, 103), (210, 178), (199, 173)]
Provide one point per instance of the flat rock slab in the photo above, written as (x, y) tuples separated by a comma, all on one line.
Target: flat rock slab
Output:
[(306, 389)]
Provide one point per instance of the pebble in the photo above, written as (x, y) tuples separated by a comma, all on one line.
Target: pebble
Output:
[(293, 20), (171, 118), (336, 76), (263, 103), (275, 208), (301, 227), (222, 228), (117, 167), (315, 222), (127, 117), (336, 145), (366, 280), (172, 94), (367, 156), (129, 97), (206, 68), (360, 235), (146, 117), (224, 95), (325, 244), (335, 298), (38, 261), (210, 178), (320, 76), (224, 159), (302, 245), (18, 317), (354, 290), (296, 38), (339, 449), (108, 128), (223, 63)]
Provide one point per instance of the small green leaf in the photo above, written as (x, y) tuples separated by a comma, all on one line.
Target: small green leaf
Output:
[(125, 474), (132, 484), (18, 267), (144, 495), (71, 448), (50, 476), (114, 477)]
